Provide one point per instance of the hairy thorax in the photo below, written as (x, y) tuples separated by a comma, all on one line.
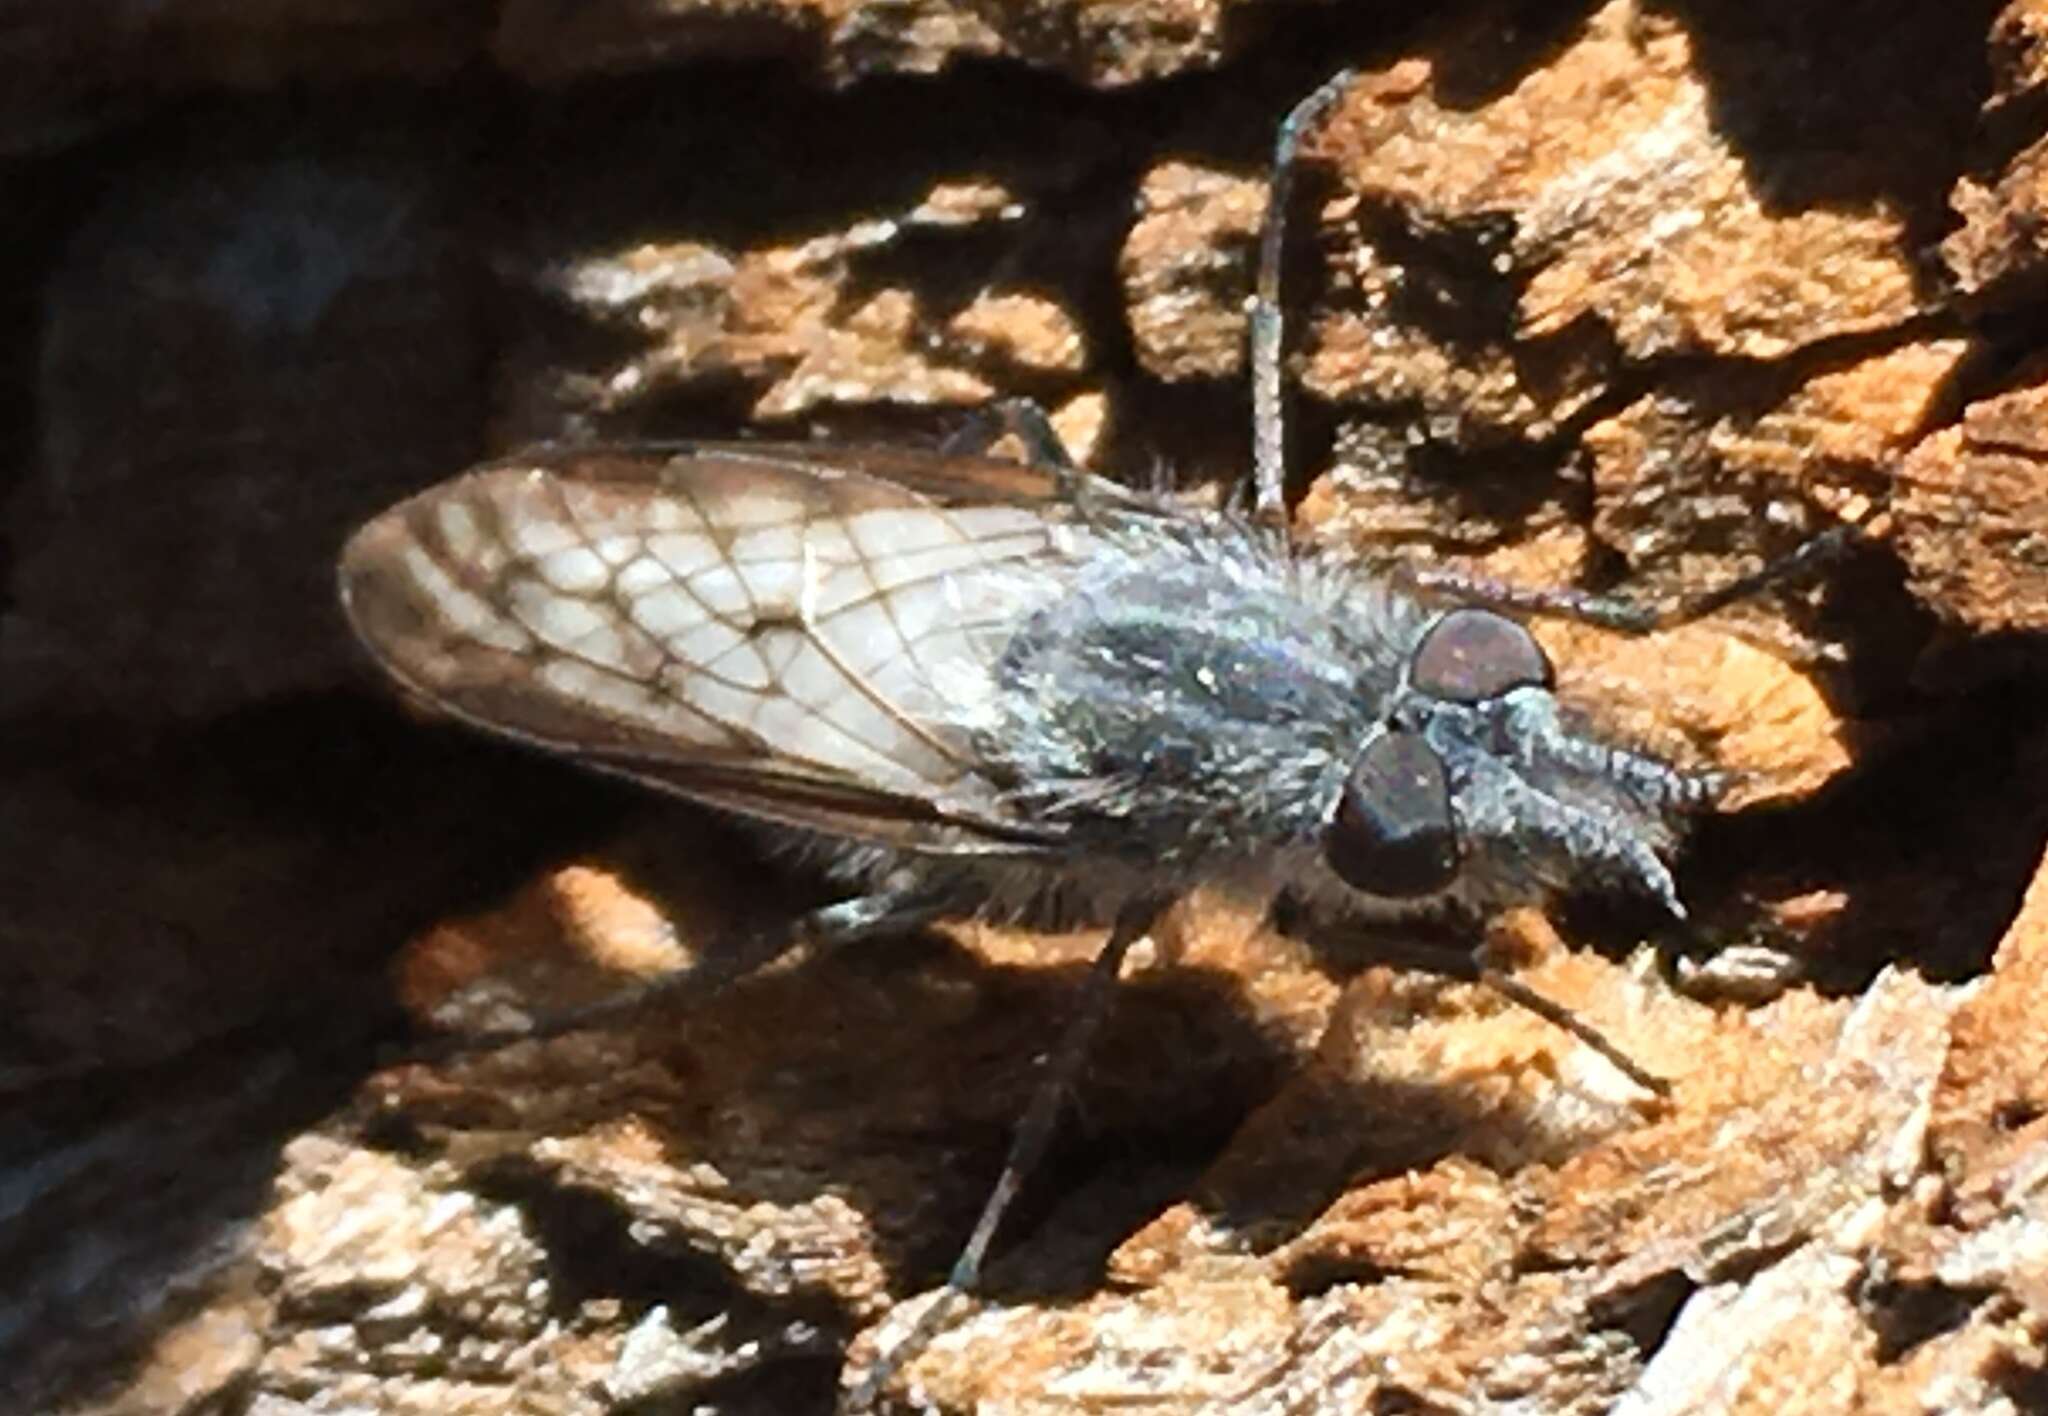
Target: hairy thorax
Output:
[(1193, 694)]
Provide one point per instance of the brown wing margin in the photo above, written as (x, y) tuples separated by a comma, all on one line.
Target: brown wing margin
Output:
[(945, 479), (834, 808)]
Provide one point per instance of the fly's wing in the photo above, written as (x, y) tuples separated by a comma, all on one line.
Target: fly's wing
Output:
[(795, 633)]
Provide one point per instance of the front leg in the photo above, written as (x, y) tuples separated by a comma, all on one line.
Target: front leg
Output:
[(1618, 612), (1474, 963)]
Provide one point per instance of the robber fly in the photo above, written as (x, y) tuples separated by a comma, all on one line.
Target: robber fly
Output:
[(962, 683)]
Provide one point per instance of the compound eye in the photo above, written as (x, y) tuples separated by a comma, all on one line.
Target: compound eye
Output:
[(1393, 834), (1470, 655)]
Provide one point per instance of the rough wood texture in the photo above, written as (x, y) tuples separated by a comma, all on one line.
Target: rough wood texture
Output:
[(1621, 293)]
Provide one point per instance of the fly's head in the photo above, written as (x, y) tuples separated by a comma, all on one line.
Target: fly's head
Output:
[(1474, 783)]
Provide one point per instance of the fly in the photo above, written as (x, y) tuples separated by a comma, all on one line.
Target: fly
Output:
[(966, 684)]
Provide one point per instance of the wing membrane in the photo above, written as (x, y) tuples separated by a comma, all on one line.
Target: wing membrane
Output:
[(793, 632)]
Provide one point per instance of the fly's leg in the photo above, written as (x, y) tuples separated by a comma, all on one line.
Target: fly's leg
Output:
[(1269, 442), (1474, 965), (1062, 1066), (820, 932), (1564, 1019), (1269, 424), (1618, 612), (1267, 328), (1022, 419)]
